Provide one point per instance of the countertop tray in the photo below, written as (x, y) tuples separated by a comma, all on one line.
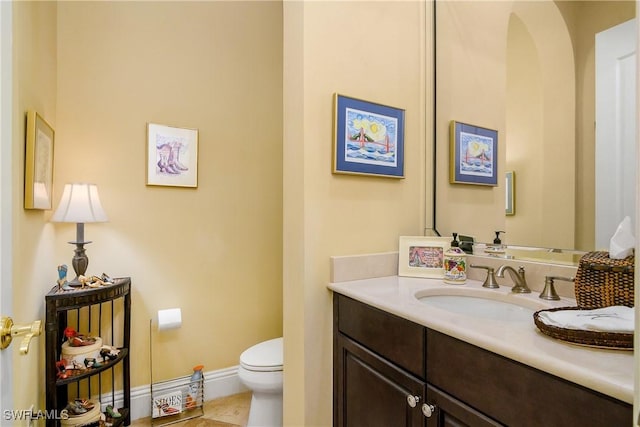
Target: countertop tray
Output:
[(609, 340)]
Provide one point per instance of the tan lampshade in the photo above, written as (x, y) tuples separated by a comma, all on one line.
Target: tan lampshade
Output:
[(80, 203)]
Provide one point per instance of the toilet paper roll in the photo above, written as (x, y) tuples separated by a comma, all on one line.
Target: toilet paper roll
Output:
[(169, 319)]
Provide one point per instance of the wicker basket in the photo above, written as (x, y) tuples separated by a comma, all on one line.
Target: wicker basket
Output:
[(612, 340), (603, 282)]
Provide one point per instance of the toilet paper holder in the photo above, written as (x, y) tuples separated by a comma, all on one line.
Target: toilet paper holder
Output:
[(170, 318), (169, 403)]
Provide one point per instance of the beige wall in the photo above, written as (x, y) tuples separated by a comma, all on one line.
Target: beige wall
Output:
[(34, 258), (369, 50), (99, 71), (214, 251)]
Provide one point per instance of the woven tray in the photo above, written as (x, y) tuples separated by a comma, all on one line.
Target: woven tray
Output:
[(611, 340)]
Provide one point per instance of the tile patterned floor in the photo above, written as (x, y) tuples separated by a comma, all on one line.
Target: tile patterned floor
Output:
[(230, 411)]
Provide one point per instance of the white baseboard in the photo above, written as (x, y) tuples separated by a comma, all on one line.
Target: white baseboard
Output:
[(219, 383)]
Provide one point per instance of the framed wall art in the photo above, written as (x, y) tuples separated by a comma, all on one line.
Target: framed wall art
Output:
[(510, 190), (368, 138), (172, 156), (422, 256), (38, 168), (473, 155)]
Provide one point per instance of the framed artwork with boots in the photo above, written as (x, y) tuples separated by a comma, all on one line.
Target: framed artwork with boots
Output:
[(172, 156)]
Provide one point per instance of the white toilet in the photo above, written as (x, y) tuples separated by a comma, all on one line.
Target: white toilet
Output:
[(261, 371)]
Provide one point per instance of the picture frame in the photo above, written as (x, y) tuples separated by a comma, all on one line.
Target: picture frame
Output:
[(422, 256), (172, 156), (38, 168), (473, 155), (368, 138), (510, 193)]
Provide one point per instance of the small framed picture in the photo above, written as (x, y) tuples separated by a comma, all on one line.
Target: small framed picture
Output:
[(368, 138), (422, 256), (474, 155), (510, 190), (38, 168), (172, 156)]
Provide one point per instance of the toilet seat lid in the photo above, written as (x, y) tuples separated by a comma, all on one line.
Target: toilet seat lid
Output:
[(264, 356)]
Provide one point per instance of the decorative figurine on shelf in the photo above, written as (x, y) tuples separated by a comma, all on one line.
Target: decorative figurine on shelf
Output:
[(75, 408), (77, 340), (62, 278), (83, 281), (61, 367), (91, 362), (106, 279), (108, 352), (112, 412), (85, 403), (95, 281)]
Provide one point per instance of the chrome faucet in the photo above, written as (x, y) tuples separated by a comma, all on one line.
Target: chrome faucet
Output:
[(519, 282)]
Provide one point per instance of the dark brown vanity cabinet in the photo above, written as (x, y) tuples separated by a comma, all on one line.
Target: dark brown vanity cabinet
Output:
[(378, 367), (389, 371)]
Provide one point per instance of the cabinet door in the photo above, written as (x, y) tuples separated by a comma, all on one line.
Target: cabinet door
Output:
[(516, 394), (369, 391), (451, 412)]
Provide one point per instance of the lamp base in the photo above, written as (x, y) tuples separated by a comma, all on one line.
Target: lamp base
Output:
[(80, 262), (75, 283)]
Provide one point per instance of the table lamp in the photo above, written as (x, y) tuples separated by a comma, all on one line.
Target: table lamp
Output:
[(80, 203)]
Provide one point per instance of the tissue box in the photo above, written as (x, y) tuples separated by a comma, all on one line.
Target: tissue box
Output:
[(603, 282)]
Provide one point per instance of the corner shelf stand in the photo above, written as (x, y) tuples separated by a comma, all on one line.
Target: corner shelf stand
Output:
[(97, 305)]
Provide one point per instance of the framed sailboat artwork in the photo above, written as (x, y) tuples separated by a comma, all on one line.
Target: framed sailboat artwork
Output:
[(368, 138), (474, 155)]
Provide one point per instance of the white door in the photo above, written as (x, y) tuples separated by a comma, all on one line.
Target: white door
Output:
[(615, 129), (6, 378)]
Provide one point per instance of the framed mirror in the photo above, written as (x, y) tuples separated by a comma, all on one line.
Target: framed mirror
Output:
[(528, 70)]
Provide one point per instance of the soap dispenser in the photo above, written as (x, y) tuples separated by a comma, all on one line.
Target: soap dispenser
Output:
[(455, 266), (497, 248), (454, 242)]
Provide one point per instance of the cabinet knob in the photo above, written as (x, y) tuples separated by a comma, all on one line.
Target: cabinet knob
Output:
[(413, 400), (428, 409)]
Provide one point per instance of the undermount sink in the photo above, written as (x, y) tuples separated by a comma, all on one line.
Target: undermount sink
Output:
[(487, 304)]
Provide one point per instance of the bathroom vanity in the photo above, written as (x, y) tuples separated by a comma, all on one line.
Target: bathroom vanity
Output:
[(400, 362)]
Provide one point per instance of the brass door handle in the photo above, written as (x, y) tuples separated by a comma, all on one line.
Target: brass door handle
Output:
[(8, 330)]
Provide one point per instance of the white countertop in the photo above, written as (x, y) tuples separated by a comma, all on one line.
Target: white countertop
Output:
[(607, 371)]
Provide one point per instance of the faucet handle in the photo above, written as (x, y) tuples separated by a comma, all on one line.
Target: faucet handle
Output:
[(549, 291), (490, 281)]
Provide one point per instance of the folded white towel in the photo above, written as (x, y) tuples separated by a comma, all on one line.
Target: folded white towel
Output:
[(609, 319)]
